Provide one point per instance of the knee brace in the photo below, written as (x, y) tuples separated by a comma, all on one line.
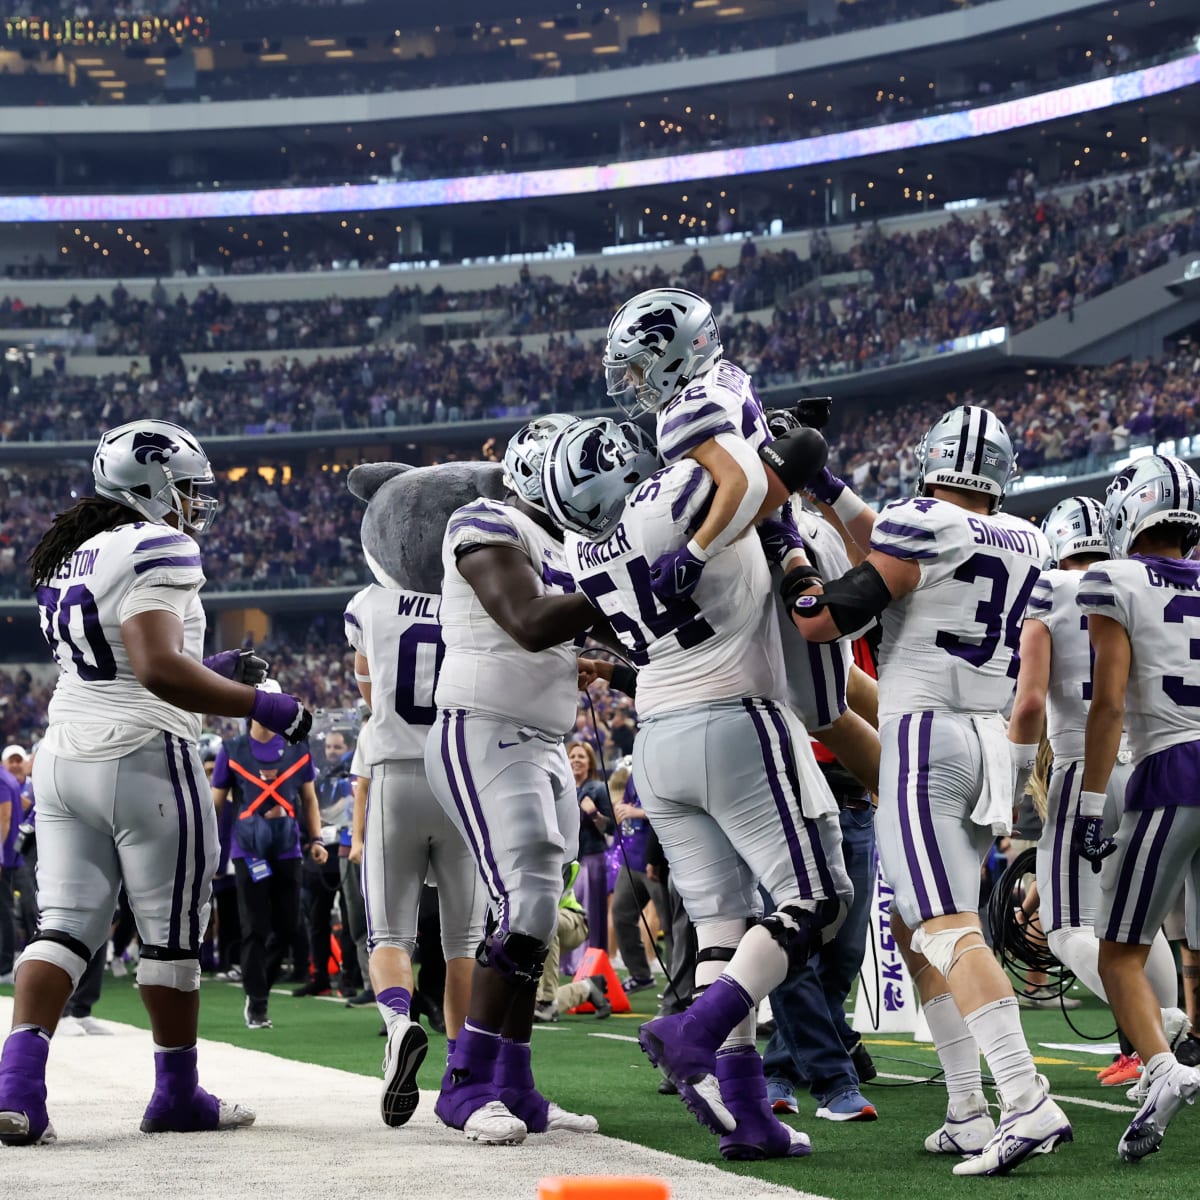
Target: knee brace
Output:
[(939, 947), (716, 943), (67, 953), (175, 969), (801, 927), (517, 956)]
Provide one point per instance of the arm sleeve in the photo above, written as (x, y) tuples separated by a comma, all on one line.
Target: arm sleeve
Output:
[(747, 459), (1100, 592), (483, 523)]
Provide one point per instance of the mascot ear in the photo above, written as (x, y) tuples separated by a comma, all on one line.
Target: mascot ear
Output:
[(367, 478)]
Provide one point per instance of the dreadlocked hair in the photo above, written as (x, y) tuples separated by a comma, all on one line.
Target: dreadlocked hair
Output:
[(70, 530)]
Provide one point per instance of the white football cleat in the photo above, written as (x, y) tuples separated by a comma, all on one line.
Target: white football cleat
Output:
[(968, 1128), (407, 1045), (234, 1116), (1165, 1096), (559, 1118), (1035, 1125), (494, 1125), (94, 1027), (14, 1130), (70, 1027)]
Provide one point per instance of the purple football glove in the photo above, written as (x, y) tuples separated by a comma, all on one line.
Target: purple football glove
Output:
[(827, 487), (1088, 841), (674, 575), (283, 714), (242, 666), (780, 535)]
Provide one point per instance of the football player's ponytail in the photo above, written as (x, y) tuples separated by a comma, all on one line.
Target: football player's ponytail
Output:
[(70, 530)]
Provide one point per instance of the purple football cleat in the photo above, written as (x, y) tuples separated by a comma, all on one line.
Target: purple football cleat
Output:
[(670, 1045), (759, 1133), (23, 1117), (181, 1105)]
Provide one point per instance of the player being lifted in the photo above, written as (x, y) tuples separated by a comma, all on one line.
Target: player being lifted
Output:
[(506, 696), (723, 769), (1054, 688), (1138, 609), (407, 835), (121, 791), (949, 576)]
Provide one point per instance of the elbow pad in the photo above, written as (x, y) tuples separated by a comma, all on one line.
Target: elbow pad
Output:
[(797, 457), (855, 601)]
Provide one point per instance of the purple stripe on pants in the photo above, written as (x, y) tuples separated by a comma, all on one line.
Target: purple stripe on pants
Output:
[(1061, 840), (940, 878), (814, 839), (1149, 878), (194, 930), (781, 805), (816, 664), (594, 869), (1073, 866), (173, 928), (906, 833), (1122, 892), (448, 764)]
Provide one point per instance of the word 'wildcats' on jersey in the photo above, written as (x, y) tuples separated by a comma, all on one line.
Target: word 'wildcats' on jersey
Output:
[(484, 669), (721, 401), (1157, 601), (113, 576), (952, 642), (722, 642), (401, 638)]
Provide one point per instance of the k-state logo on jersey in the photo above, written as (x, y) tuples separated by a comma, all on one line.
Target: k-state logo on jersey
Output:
[(654, 329), (154, 447)]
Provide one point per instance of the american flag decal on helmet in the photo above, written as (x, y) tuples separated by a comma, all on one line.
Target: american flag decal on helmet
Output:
[(698, 343)]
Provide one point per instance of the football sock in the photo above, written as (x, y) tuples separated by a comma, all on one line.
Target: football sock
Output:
[(759, 965), (1160, 1064), (393, 1004), (172, 1049), (1079, 949), (956, 1048), (997, 1030)]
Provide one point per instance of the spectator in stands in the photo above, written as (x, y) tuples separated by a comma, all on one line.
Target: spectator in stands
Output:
[(596, 823)]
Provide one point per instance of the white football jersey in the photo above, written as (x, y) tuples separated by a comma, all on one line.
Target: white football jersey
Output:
[(399, 634), (1155, 599), (99, 710), (816, 673), (484, 669), (722, 400), (951, 644), (1070, 692), (722, 642)]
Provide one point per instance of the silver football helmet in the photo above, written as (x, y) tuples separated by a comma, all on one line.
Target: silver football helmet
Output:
[(966, 448), (156, 468), (1076, 525), (526, 449), (781, 421), (589, 470), (1155, 490), (658, 342)]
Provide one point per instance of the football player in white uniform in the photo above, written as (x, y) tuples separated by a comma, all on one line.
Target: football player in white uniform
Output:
[(950, 576), (723, 768), (120, 788), (407, 835), (1054, 688), (664, 356), (1144, 681), (506, 696)]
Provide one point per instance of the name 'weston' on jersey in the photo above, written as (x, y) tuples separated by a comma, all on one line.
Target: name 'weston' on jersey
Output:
[(99, 710), (951, 644)]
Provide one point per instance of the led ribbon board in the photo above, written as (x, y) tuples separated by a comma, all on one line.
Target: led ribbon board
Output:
[(582, 181)]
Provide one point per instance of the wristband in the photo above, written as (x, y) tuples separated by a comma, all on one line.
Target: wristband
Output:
[(1091, 804), (848, 506), (697, 551)]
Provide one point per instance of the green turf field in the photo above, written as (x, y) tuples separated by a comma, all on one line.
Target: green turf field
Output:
[(595, 1066)]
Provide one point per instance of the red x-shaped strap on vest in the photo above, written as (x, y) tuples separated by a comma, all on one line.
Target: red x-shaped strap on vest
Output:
[(268, 791)]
